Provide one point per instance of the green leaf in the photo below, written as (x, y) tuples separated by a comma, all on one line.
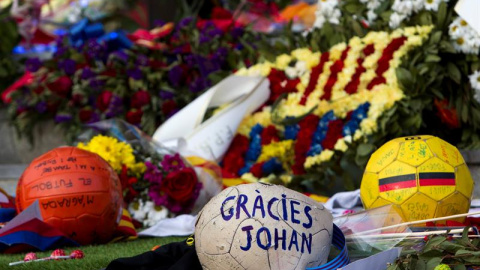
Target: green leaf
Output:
[(459, 267), (405, 77), (436, 37), (421, 265), (365, 149), (451, 247), (454, 72), (472, 257), (433, 262), (433, 243), (441, 15), (433, 58)]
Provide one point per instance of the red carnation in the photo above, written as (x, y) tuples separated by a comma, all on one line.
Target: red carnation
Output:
[(168, 107), (134, 116), (256, 169), (61, 86), (269, 135), (376, 81), (233, 162), (140, 99), (334, 133), (85, 114), (103, 100)]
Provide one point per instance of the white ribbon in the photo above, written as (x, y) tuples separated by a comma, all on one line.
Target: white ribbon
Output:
[(469, 10), (211, 139)]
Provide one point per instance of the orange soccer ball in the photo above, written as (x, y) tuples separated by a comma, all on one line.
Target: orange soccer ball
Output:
[(78, 193)]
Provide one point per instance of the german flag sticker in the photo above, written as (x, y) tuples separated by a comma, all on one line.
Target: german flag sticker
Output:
[(397, 182), (436, 179)]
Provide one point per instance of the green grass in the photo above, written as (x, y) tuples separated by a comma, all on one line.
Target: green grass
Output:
[(96, 257)]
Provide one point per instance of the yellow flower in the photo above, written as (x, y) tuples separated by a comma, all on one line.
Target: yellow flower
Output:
[(282, 150), (341, 145), (282, 61), (249, 177), (116, 153)]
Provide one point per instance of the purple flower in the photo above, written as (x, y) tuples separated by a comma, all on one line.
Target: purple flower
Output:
[(87, 73), (96, 84), (207, 66), (165, 95), (115, 107), (204, 39), (158, 23), (121, 55), (60, 51), (214, 32), (152, 173), (68, 66), (63, 117), (135, 73), (190, 60), (142, 60), (95, 118), (41, 107), (222, 52), (237, 32), (199, 85), (184, 22), (33, 64), (172, 163), (95, 50), (175, 75)]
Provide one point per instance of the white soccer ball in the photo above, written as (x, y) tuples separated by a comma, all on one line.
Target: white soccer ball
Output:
[(262, 226)]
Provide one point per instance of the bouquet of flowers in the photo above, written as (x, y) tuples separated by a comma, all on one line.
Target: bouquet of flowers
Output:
[(322, 111), (144, 77), (441, 81), (156, 182)]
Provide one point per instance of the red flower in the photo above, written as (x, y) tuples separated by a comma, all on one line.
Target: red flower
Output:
[(233, 162), (369, 49), (334, 133), (269, 135), (376, 81), (180, 185), (240, 142), (52, 106), (134, 116), (447, 114), (168, 107), (61, 86), (140, 99), (256, 169), (316, 71), (85, 114), (221, 13), (103, 100), (77, 99), (280, 84)]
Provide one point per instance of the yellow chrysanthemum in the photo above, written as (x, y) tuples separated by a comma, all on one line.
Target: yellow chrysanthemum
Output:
[(116, 153)]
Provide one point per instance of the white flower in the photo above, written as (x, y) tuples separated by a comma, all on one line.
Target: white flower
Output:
[(371, 15), (475, 80), (136, 209), (155, 214), (418, 5), (396, 19), (403, 7), (432, 4), (455, 30), (327, 11), (373, 4)]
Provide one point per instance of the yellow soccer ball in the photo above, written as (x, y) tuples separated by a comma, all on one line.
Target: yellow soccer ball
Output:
[(422, 176)]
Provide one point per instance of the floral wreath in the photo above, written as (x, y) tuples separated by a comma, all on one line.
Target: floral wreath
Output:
[(320, 104)]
